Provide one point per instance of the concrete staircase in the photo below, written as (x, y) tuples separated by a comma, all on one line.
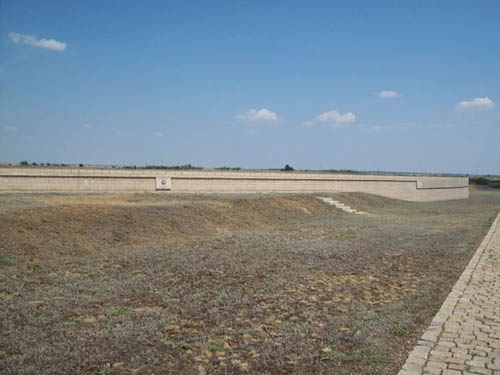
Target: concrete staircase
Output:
[(341, 206)]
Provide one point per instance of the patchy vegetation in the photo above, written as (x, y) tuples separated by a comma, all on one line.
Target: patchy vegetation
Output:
[(485, 181), (269, 284)]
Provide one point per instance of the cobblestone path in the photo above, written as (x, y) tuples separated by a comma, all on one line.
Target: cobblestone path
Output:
[(464, 336)]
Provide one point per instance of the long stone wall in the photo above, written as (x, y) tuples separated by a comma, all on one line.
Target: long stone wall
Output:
[(411, 188)]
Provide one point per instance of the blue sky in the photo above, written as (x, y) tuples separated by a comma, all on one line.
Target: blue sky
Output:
[(367, 85)]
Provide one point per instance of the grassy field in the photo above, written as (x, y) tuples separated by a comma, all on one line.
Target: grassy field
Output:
[(261, 284)]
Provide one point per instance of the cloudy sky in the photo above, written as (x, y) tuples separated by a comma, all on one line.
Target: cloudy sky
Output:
[(367, 85)]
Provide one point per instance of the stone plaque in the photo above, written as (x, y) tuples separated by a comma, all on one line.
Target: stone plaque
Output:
[(163, 183)]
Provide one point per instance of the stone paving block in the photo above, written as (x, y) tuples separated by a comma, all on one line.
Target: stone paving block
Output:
[(416, 360), (480, 370), (406, 372), (475, 363), (456, 366), (443, 348), (432, 371), (412, 367), (429, 337), (425, 343), (420, 351), (439, 354), (455, 360), (494, 366), (462, 356)]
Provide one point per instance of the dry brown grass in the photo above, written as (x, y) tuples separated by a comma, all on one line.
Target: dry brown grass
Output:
[(271, 284)]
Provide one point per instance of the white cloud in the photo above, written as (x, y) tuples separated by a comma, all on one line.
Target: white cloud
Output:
[(388, 94), (334, 117), (157, 134), (476, 103), (261, 115), (87, 126), (10, 128), (31, 40), (251, 132)]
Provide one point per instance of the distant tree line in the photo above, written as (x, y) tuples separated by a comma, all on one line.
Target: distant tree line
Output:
[(485, 181), (176, 167), (25, 162), (347, 171), (228, 168)]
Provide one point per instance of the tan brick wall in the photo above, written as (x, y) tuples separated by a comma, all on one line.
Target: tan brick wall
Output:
[(102, 180)]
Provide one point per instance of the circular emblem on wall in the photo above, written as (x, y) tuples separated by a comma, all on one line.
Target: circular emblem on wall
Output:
[(163, 182)]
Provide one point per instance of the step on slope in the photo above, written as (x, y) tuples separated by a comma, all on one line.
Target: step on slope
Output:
[(341, 206)]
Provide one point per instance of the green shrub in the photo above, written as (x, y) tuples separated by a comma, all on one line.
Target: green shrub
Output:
[(481, 181), (4, 261)]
